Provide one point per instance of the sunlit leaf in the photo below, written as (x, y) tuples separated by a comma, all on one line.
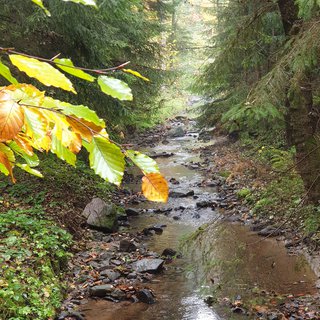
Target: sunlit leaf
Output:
[(30, 170), (40, 4), (106, 159), (68, 66), (145, 163), (79, 111), (136, 73), (85, 2), (115, 88), (32, 160), (11, 116), (62, 152), (24, 143), (42, 71), (155, 187), (7, 160), (5, 72), (36, 127)]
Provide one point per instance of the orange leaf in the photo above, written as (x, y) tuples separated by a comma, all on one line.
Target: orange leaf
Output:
[(11, 117), (155, 187), (5, 161), (84, 128), (24, 143)]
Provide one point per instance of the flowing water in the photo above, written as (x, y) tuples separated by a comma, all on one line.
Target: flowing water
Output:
[(226, 257)]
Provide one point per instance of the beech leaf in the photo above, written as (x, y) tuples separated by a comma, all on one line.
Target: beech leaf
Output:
[(106, 159), (11, 117), (136, 73), (42, 71), (145, 163), (155, 187), (5, 72), (115, 88), (68, 66)]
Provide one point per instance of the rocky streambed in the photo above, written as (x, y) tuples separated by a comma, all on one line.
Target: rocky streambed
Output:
[(223, 270)]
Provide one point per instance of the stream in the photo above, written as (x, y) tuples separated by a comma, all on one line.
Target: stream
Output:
[(225, 258)]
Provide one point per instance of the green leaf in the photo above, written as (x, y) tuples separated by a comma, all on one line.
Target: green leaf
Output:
[(115, 88), (42, 71), (40, 4), (136, 73), (80, 111), (62, 152), (32, 161), (85, 2), (68, 66), (5, 72), (106, 159), (145, 163), (28, 169)]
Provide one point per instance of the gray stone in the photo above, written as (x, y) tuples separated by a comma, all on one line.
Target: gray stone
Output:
[(102, 290), (179, 194), (112, 275), (148, 265), (269, 232), (145, 296), (127, 246), (176, 132), (101, 216), (132, 212)]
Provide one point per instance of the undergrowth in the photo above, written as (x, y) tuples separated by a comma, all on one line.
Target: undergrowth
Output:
[(33, 256)]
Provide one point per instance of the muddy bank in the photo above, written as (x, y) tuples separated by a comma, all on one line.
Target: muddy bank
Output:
[(104, 273)]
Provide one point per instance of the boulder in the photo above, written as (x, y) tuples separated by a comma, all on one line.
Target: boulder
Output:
[(101, 216), (145, 296), (132, 212), (127, 246), (148, 265), (102, 290), (176, 132)]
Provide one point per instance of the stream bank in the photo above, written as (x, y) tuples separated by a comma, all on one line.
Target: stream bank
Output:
[(221, 261)]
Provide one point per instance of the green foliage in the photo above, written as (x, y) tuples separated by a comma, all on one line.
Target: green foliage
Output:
[(244, 193), (33, 254)]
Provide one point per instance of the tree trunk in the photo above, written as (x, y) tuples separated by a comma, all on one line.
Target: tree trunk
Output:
[(304, 135), (301, 125)]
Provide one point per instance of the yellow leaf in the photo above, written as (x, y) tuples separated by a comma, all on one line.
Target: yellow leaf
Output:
[(11, 117), (7, 160), (136, 73), (24, 143), (155, 187), (42, 71)]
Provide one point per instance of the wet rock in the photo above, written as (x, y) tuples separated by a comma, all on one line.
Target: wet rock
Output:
[(269, 231), (127, 246), (101, 216), (132, 212), (132, 275), (112, 275), (102, 290), (238, 310), (118, 294), (179, 194), (146, 296), (157, 228), (168, 252), (148, 265), (162, 155), (176, 132), (174, 181), (206, 203), (258, 226), (176, 218), (72, 314)]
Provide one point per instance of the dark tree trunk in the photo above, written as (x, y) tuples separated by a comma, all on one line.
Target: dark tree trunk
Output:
[(301, 123), (304, 135)]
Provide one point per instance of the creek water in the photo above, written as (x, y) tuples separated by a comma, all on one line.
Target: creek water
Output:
[(225, 257)]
